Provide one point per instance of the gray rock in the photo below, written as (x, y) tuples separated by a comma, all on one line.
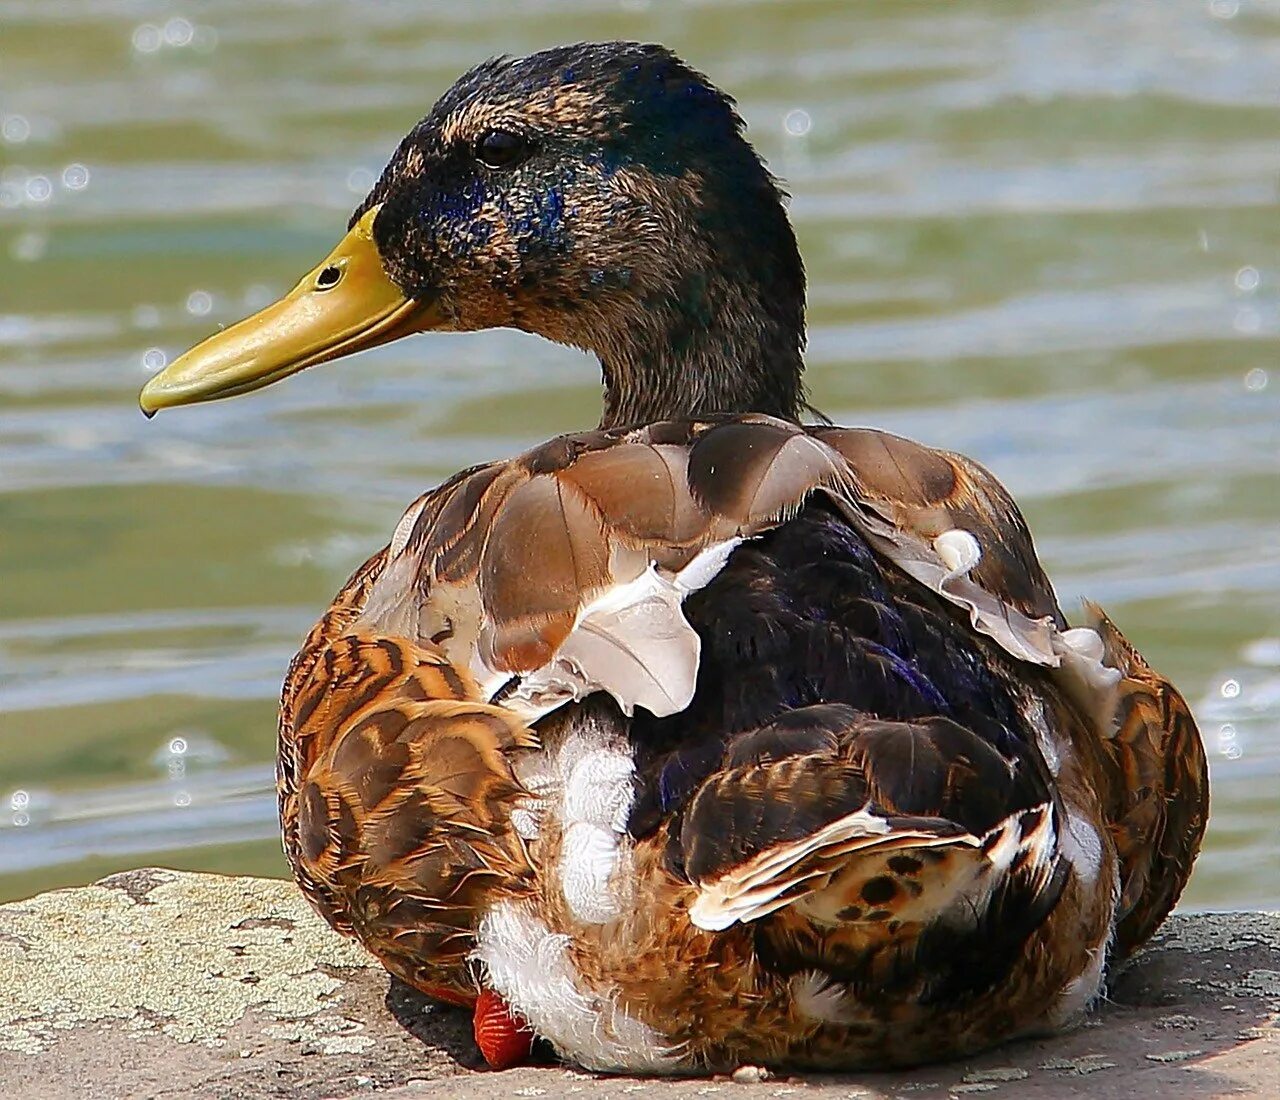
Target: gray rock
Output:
[(160, 984)]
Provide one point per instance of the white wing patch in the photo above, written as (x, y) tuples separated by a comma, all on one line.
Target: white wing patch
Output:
[(632, 641)]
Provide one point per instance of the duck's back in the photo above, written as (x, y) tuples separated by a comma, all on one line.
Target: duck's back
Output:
[(810, 718)]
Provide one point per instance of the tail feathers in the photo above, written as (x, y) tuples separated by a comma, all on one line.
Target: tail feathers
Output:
[(1157, 802), (863, 822), (946, 877), (805, 870), (870, 870)]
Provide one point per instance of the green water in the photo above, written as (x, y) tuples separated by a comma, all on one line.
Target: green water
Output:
[(1044, 234)]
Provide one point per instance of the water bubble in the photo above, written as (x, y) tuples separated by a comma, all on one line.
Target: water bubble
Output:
[(39, 189), (199, 302), (154, 359), (19, 800), (178, 746), (1248, 279), (359, 180), (1228, 743), (15, 129), (1230, 689), (145, 316), (1255, 381), (1224, 9), (75, 177), (182, 799), (22, 819), (147, 38), (178, 32), (10, 195), (798, 122), (28, 247)]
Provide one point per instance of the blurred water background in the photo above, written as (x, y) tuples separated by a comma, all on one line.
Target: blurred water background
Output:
[(1043, 234)]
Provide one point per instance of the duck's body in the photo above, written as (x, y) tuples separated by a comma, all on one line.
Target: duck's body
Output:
[(699, 739)]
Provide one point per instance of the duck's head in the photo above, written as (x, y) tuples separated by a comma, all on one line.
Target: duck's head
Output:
[(600, 195)]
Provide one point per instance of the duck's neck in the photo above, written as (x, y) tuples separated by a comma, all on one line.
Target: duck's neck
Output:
[(710, 344)]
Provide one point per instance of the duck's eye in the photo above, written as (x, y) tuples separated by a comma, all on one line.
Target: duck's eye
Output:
[(329, 277), (501, 149)]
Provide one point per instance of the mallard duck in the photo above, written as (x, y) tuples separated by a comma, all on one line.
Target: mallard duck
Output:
[(707, 736)]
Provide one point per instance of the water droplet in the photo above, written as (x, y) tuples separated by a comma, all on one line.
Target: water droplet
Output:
[(154, 359), (360, 180), (1224, 9), (178, 746), (15, 129), (75, 177), (798, 122), (1255, 381), (39, 189), (19, 800), (147, 38), (22, 820), (199, 302), (178, 32), (1230, 689), (182, 799), (1248, 279), (28, 247)]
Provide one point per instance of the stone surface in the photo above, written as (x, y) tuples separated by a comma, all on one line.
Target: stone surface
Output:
[(159, 984)]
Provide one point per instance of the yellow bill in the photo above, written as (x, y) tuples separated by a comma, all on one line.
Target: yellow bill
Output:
[(345, 304)]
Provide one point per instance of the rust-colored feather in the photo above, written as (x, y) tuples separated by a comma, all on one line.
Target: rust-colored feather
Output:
[(1158, 804), (400, 817)]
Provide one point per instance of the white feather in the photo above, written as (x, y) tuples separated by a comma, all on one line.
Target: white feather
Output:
[(959, 551), (1082, 846), (588, 855), (819, 997), (1082, 671), (531, 968), (632, 641), (751, 891), (400, 537)]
